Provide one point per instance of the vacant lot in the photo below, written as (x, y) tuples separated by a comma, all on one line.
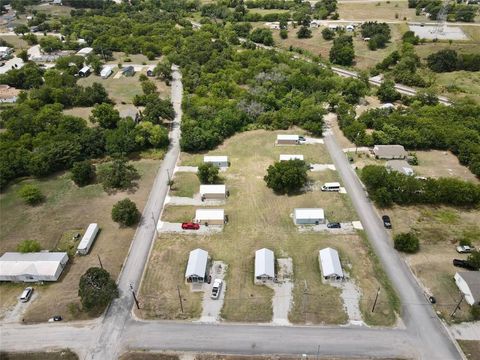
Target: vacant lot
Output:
[(259, 218), (435, 163), (471, 349), (185, 184), (57, 355), (120, 90), (67, 208), (17, 42), (459, 84), (381, 10)]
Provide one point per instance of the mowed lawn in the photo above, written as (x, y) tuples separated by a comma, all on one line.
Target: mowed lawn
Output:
[(381, 10), (259, 218), (67, 209), (121, 90)]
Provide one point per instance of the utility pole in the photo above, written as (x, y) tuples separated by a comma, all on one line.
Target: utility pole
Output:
[(180, 298), (375, 302), (134, 297), (304, 302), (100, 261), (457, 307)]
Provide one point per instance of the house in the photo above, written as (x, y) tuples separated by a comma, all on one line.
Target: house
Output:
[(330, 264), (8, 94), (290, 157), (401, 166), (5, 52), (309, 216), (210, 216), (273, 25), (315, 23), (264, 265), (106, 71), (350, 27), (197, 266), (128, 71), (85, 51), (150, 70), (84, 72), (287, 139), (220, 161), (32, 267), (389, 152), (468, 283), (57, 2), (87, 240), (217, 192), (334, 27)]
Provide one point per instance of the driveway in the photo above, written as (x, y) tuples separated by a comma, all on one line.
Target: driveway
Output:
[(346, 228), (211, 308), (282, 297), (168, 227), (322, 167)]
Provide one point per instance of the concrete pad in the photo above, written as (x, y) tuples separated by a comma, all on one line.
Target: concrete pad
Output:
[(342, 190), (351, 298), (361, 149), (466, 331), (322, 167), (357, 225), (118, 75), (309, 140), (211, 308), (446, 33), (168, 227), (193, 169), (282, 288), (178, 200), (346, 228)]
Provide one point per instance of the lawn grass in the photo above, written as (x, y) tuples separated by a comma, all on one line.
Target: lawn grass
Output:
[(120, 90), (471, 348), (185, 184), (54, 355), (377, 10), (16, 41)]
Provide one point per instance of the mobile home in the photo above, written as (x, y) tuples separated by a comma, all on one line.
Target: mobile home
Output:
[(88, 239), (309, 216), (214, 192), (210, 216), (220, 161)]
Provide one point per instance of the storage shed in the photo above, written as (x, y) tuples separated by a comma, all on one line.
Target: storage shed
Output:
[(217, 192), (85, 51), (264, 265), (210, 216), (88, 239), (150, 70), (330, 264), (389, 152), (84, 71), (469, 284), (128, 71), (286, 139), (309, 216), (106, 71), (197, 266), (284, 157), (32, 267), (220, 161), (401, 166)]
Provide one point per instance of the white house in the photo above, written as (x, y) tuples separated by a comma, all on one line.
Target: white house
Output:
[(213, 191), (330, 264), (87, 240), (284, 157), (469, 284), (197, 266), (264, 265), (287, 139), (85, 51), (32, 267), (210, 216), (150, 70), (106, 71), (220, 161), (309, 216)]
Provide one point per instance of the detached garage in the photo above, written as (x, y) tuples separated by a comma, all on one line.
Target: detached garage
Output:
[(309, 216), (220, 161), (197, 266), (287, 139), (290, 157), (330, 265), (264, 265), (210, 216), (32, 267), (215, 192)]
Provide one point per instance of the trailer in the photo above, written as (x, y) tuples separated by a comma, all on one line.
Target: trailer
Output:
[(88, 239)]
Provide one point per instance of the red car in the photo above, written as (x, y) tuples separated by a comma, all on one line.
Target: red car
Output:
[(190, 226)]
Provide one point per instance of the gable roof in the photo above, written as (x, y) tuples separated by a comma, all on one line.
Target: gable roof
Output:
[(287, 137), (330, 262), (264, 263), (309, 213), (212, 189), (215, 158), (209, 214), (197, 263), (389, 150), (37, 264)]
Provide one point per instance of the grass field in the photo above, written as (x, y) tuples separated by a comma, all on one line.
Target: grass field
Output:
[(67, 207), (185, 184), (259, 218), (471, 349), (119, 90), (436, 163), (56, 355), (458, 84), (389, 10), (17, 42)]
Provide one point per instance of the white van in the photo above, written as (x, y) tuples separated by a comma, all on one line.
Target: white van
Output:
[(26, 294), (333, 186)]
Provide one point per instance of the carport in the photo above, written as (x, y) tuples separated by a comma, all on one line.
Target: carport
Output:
[(197, 266)]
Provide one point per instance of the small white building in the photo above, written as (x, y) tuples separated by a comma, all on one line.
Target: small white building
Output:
[(315, 23), (264, 265), (5, 52), (220, 161), (217, 192), (330, 265), (87, 240), (106, 71), (288, 139), (284, 157), (210, 216), (197, 266), (350, 27), (32, 267), (468, 283), (84, 72), (85, 51), (150, 70), (309, 216)]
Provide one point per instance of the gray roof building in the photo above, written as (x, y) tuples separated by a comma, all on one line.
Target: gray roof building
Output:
[(389, 152), (401, 166)]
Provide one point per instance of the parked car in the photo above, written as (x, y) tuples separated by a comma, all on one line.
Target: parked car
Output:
[(301, 138), (334, 225), (463, 264), (386, 222), (216, 289), (190, 226), (464, 249), (26, 294), (55, 318)]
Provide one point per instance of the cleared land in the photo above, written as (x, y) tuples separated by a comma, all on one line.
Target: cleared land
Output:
[(471, 349), (389, 10), (120, 90), (259, 218), (436, 163), (67, 208), (57, 355), (185, 184)]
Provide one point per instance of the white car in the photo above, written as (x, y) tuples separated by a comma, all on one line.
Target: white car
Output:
[(464, 249), (216, 289)]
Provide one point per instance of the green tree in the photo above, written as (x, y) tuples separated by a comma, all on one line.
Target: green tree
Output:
[(328, 34), (342, 51), (208, 173), (474, 260), (387, 92), (406, 242), (304, 32), (96, 289), (125, 212), (83, 172), (262, 36), (27, 246), (105, 115), (286, 177), (284, 34), (23, 55), (21, 29), (118, 175), (31, 194), (443, 61), (50, 44)]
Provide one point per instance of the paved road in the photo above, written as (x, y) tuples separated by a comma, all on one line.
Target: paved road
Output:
[(417, 314)]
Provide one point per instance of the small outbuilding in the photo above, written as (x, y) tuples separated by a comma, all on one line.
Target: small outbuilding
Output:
[(330, 265), (284, 157), (32, 267), (309, 216), (84, 72), (210, 216), (197, 266), (213, 192), (468, 283), (128, 71), (264, 265), (8, 94), (150, 70), (87, 240), (401, 166), (389, 152), (288, 139), (107, 70), (220, 161), (5, 52), (85, 51)]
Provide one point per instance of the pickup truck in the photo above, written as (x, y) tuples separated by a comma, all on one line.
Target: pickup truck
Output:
[(464, 249), (216, 289)]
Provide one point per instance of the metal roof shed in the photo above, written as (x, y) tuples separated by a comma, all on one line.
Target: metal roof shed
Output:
[(210, 216), (106, 71), (220, 161), (309, 216), (264, 264), (197, 266), (284, 157), (287, 139), (469, 284), (213, 191), (88, 239), (330, 264), (32, 267), (85, 51)]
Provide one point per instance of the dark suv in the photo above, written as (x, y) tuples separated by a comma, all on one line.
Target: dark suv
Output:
[(334, 225), (463, 264), (386, 222)]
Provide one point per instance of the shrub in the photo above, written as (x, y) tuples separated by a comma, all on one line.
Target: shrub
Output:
[(208, 173), (27, 246), (475, 311), (465, 242), (304, 33), (118, 175), (96, 289), (284, 33), (125, 212), (83, 172), (407, 242), (474, 260), (328, 34), (286, 176), (31, 194)]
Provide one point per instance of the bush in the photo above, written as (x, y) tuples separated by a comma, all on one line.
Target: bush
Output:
[(474, 260), (262, 36), (328, 34), (475, 311), (83, 172), (283, 33), (407, 242), (304, 33), (96, 289), (465, 242), (387, 92), (118, 175), (342, 51), (208, 173), (31, 194), (125, 212), (27, 246), (286, 177)]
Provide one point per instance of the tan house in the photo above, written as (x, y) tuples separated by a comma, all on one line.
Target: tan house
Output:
[(210, 216), (213, 192), (389, 152)]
